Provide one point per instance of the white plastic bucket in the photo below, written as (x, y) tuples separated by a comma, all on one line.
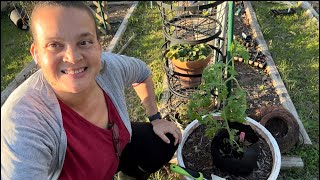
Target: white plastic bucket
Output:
[(257, 127), (16, 18)]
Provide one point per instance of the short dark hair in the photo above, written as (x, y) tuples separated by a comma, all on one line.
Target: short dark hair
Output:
[(67, 4)]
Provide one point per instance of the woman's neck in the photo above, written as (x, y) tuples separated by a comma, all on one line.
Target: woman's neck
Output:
[(90, 104), (82, 100)]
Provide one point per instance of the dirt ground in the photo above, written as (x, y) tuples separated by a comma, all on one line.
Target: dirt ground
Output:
[(254, 80), (116, 14)]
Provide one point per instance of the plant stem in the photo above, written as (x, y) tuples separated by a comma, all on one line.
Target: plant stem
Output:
[(233, 78), (227, 125)]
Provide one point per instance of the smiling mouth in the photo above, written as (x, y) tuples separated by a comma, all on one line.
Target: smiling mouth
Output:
[(77, 71)]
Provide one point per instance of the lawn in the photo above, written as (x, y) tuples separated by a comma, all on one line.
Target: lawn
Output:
[(293, 42), (15, 44)]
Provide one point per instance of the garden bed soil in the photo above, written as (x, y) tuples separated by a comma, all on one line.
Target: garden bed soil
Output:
[(256, 81)]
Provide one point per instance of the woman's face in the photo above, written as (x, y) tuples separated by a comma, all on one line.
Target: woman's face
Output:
[(66, 48)]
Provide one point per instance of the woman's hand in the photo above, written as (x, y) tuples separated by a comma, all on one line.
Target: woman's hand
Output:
[(162, 127)]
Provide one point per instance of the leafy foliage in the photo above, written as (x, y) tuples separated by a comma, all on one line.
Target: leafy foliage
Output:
[(213, 92), (237, 49), (187, 52)]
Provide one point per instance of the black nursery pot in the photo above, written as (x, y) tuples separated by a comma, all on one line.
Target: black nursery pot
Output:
[(239, 164)]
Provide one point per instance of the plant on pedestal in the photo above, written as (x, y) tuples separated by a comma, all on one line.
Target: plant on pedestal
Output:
[(238, 143), (189, 61), (232, 138)]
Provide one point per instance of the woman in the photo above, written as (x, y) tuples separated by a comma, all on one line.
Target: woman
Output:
[(69, 120)]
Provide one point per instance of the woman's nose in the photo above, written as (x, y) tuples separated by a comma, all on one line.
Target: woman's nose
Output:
[(72, 55)]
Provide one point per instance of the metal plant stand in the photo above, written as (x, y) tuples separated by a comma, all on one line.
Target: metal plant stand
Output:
[(190, 22)]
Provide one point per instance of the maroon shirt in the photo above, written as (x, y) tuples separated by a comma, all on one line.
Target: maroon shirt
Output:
[(90, 151)]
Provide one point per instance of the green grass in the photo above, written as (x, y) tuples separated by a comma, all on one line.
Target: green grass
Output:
[(294, 44), (146, 46), (15, 44)]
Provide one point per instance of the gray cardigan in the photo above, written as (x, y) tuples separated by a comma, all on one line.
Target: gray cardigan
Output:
[(33, 141)]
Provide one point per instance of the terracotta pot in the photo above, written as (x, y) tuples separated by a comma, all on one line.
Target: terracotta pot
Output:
[(257, 127), (190, 69), (282, 125)]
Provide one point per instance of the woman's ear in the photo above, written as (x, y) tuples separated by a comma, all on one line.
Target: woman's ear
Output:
[(34, 53)]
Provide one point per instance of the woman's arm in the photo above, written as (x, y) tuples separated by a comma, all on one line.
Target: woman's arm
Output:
[(145, 91)]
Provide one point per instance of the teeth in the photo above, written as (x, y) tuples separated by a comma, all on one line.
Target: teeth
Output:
[(74, 71)]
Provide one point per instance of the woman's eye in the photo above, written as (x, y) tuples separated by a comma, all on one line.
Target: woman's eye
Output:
[(84, 43), (54, 45)]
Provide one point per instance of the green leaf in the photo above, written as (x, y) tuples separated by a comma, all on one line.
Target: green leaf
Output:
[(185, 52)]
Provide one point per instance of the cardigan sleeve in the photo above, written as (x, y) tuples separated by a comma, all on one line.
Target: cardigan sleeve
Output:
[(128, 70), (32, 138), (26, 151)]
